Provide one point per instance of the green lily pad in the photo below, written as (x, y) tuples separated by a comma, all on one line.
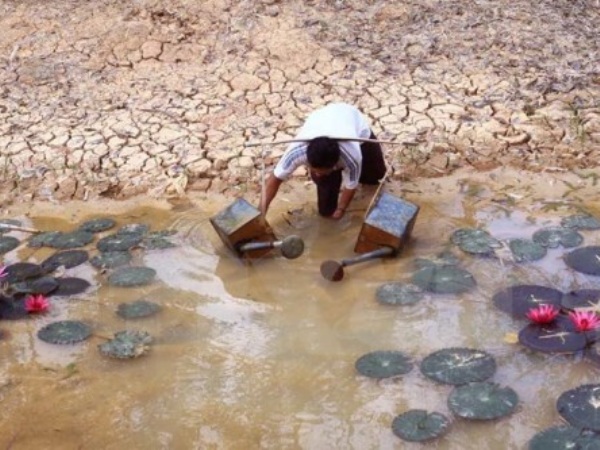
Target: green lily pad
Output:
[(132, 276), (475, 241), (518, 300), (66, 259), (70, 286), (581, 222), (582, 299), (564, 437), (119, 242), (558, 336), (157, 243), (585, 260), (110, 260), (72, 239), (552, 237), (383, 364), (398, 294), (458, 366), (127, 345), (22, 271), (43, 239), (137, 309), (97, 225), (444, 279), (44, 285), (417, 425), (65, 332), (525, 250), (482, 401), (580, 407), (12, 309), (8, 243), (134, 228)]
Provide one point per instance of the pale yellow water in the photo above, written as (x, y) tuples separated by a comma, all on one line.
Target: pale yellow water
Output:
[(262, 355)]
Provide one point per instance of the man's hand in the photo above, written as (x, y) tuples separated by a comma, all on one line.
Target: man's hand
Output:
[(338, 214)]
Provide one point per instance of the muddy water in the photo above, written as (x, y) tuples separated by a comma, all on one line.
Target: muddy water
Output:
[(262, 355)]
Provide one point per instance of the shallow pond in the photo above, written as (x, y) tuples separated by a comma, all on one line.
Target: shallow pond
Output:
[(262, 354)]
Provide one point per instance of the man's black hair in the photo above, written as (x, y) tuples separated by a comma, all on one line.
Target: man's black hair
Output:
[(322, 152)]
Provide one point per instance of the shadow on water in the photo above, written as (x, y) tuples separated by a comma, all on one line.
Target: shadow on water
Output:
[(261, 354)]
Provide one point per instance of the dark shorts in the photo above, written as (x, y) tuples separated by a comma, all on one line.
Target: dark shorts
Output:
[(372, 170)]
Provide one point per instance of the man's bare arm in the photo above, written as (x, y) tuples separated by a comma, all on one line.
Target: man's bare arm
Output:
[(271, 187), (343, 203)]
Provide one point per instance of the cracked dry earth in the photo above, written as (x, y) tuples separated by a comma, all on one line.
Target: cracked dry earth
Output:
[(114, 99)]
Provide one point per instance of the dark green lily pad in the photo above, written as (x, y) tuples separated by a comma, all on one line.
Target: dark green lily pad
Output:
[(582, 299), (417, 425), (22, 271), (8, 243), (398, 294), (44, 285), (43, 239), (444, 279), (383, 364), (67, 259), (581, 222), (134, 228), (564, 437), (558, 336), (585, 260), (552, 237), (97, 225), (126, 345), (70, 286), (110, 260), (525, 250), (458, 366), (65, 332), (482, 401), (157, 243), (580, 407), (132, 276), (445, 258), (475, 241), (137, 309), (518, 300), (119, 242), (12, 309), (72, 239)]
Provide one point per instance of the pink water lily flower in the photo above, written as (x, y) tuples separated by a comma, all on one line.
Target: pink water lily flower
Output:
[(3, 272), (585, 320), (36, 304), (543, 313)]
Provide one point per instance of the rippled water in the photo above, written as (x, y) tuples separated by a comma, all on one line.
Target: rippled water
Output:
[(262, 355)]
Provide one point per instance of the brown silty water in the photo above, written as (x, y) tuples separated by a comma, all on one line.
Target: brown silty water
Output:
[(261, 355)]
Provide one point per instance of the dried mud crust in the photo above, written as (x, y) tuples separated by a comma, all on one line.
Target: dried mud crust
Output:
[(116, 99)]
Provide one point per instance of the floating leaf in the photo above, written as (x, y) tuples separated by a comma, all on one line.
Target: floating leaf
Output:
[(552, 237), (581, 406), (132, 276), (518, 300), (458, 366), (97, 225), (525, 250), (482, 401), (119, 242), (398, 294), (417, 425), (67, 259), (8, 243), (70, 286), (383, 364), (65, 332), (581, 222), (110, 260), (564, 437), (43, 239), (555, 337), (126, 345), (137, 309), (585, 260), (475, 241), (444, 279)]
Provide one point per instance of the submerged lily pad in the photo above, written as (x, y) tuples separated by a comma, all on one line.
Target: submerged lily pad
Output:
[(119, 242), (582, 299), (580, 406), (65, 332), (585, 260), (70, 286), (132, 276), (383, 364), (97, 225), (134, 228), (22, 271), (44, 285), (110, 260), (564, 437), (398, 294), (156, 243), (444, 279), (475, 241), (525, 250), (126, 345), (72, 239), (8, 243), (458, 366), (558, 336), (67, 259), (43, 239), (552, 237), (581, 222), (518, 300), (417, 425), (482, 401), (137, 309)]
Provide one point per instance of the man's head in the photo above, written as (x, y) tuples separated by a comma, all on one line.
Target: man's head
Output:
[(322, 153)]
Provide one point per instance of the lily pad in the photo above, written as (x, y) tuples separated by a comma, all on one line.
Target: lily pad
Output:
[(43, 239), (444, 279), (119, 242), (398, 294), (12, 309), (564, 437), (558, 336), (417, 425), (67, 259), (65, 332), (581, 222), (445, 258), (383, 364), (580, 407), (8, 243), (110, 260), (44, 285), (482, 401), (518, 300), (22, 271), (132, 276), (70, 286), (137, 309), (552, 237), (72, 239), (525, 250), (126, 345), (458, 366), (582, 299), (585, 260), (475, 241), (97, 225), (134, 228), (157, 243)]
